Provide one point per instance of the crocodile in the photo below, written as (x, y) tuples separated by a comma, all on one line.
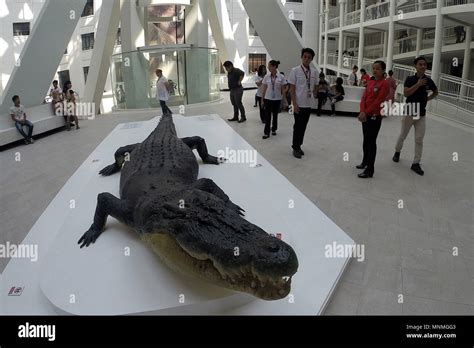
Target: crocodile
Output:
[(190, 223)]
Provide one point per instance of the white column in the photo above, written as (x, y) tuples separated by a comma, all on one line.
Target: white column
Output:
[(385, 44), (311, 24), (391, 36), (326, 28), (320, 41), (467, 58), (419, 41), (360, 57), (109, 18), (435, 70), (341, 36)]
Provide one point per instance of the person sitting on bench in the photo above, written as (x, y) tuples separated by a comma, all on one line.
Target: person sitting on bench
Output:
[(17, 112)]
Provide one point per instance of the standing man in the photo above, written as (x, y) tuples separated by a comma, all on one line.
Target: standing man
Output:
[(234, 79), (162, 91), (56, 95), (303, 81), (416, 91)]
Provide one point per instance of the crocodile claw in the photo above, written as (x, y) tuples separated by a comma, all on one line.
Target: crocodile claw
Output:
[(109, 170), (89, 237), (211, 160)]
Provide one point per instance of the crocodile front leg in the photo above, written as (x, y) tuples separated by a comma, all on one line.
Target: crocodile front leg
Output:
[(119, 160), (199, 144), (107, 204), (210, 186)]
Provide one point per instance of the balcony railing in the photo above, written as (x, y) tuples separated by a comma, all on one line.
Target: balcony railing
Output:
[(377, 11), (352, 17), (457, 2), (416, 5), (333, 23)]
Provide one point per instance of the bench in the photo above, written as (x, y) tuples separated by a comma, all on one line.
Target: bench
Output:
[(350, 104), (42, 118)]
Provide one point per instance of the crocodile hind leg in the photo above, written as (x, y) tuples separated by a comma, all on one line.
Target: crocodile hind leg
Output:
[(120, 156), (210, 186), (199, 144), (107, 204)]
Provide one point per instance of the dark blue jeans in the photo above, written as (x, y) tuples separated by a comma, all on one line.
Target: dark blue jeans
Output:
[(164, 107), (20, 126)]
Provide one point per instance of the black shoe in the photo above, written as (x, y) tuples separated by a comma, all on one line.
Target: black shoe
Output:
[(318, 114), (417, 169), (297, 153), (396, 157), (361, 166), (274, 133), (265, 136), (301, 152), (242, 120), (232, 119), (365, 174)]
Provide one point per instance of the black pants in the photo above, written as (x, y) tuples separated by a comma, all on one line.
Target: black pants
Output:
[(334, 101), (164, 107), (301, 121), (370, 129), (260, 104), (322, 98), (272, 107), (236, 95)]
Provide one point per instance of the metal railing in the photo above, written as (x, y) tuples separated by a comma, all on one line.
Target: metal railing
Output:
[(377, 11), (457, 2), (352, 17), (347, 61), (333, 23), (416, 5)]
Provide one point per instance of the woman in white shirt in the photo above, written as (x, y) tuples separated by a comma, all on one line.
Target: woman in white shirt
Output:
[(261, 72), (273, 91)]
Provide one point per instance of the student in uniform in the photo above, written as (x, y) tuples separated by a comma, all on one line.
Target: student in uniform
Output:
[(370, 116), (273, 91), (261, 72), (163, 89), (416, 91), (56, 95), (353, 81), (364, 78), (323, 92)]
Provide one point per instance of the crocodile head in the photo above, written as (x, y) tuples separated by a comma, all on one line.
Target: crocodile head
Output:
[(208, 238)]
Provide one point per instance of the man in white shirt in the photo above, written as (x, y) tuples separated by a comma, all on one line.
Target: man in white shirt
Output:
[(163, 91), (18, 115), (303, 86), (56, 95)]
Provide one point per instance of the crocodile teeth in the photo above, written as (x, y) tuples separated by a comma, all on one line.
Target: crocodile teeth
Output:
[(286, 279)]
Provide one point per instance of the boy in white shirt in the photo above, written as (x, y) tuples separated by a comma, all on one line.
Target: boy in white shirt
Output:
[(56, 94), (303, 86), (162, 91), (273, 89), (18, 115)]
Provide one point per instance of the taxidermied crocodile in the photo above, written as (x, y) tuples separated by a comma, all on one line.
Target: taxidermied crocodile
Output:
[(189, 222)]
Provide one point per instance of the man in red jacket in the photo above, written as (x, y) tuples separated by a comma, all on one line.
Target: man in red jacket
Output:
[(371, 106)]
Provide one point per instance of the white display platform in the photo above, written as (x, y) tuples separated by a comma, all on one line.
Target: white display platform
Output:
[(102, 279)]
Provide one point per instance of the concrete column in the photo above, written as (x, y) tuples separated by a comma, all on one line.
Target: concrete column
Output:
[(135, 66), (109, 18), (385, 44), (419, 41), (341, 36), (438, 42), (326, 28), (391, 36), (467, 59), (197, 60), (360, 57), (311, 24), (320, 41)]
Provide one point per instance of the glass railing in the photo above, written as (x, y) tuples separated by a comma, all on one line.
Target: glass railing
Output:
[(193, 75), (352, 17)]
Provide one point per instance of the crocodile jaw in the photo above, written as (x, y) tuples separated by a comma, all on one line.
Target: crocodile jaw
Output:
[(244, 280)]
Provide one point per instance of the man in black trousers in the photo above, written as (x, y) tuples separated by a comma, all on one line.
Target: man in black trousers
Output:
[(303, 86), (234, 79)]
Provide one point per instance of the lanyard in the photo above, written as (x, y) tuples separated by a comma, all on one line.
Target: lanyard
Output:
[(273, 81), (308, 78)]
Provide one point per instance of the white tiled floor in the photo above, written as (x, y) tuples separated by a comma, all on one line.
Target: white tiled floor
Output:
[(409, 266)]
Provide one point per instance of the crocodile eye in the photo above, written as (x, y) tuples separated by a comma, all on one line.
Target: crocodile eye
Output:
[(273, 247)]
